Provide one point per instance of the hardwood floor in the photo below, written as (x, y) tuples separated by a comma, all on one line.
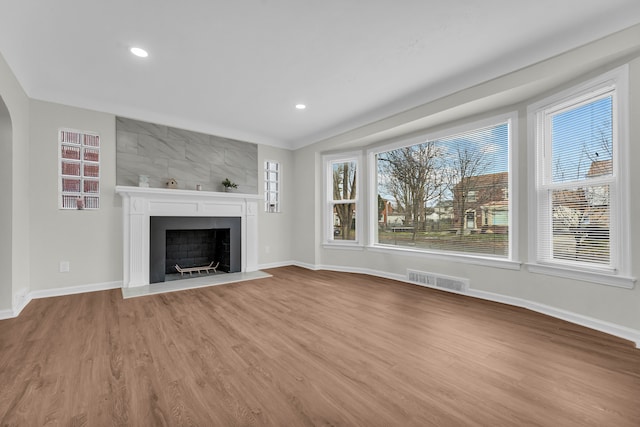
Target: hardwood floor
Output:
[(306, 348)]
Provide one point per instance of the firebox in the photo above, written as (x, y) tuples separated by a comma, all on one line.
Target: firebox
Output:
[(194, 248), (193, 242)]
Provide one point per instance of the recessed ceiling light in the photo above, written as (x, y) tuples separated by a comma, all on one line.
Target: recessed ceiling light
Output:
[(139, 52), (301, 106)]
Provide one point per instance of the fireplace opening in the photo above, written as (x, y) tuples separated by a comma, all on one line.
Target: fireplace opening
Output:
[(194, 244), (189, 249)]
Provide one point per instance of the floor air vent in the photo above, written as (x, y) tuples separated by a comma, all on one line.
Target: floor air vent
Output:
[(449, 283)]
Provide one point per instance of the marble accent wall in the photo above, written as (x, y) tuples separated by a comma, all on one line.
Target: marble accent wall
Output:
[(191, 158)]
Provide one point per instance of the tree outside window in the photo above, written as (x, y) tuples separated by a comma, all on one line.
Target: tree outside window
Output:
[(447, 193), (344, 196)]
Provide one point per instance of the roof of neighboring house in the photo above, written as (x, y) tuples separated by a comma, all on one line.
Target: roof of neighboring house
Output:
[(444, 204), (496, 204), (599, 216), (600, 167), (500, 179), (574, 199)]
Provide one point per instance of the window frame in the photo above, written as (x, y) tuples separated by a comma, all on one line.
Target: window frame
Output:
[(328, 201), (82, 162), (616, 83), (511, 261), (268, 190)]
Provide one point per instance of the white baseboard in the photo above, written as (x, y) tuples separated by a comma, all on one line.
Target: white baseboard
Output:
[(71, 290), (22, 299), (275, 265), (578, 319), (19, 302), (342, 269), (305, 265)]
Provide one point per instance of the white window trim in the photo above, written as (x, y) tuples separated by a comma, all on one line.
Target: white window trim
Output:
[(511, 261), (327, 220), (458, 257), (279, 182), (621, 275)]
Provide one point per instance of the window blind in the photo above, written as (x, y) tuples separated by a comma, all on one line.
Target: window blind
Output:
[(447, 194), (576, 189)]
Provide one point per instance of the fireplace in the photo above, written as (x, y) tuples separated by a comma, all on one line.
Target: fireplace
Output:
[(194, 248), (198, 210), (192, 242)]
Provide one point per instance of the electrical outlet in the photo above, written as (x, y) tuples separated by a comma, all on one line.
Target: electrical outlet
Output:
[(267, 249), (65, 266)]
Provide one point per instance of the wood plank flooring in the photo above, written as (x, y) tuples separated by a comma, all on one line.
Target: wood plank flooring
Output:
[(306, 348)]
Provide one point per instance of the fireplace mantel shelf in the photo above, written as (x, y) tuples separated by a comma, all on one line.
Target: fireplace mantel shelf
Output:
[(139, 204), (170, 192)]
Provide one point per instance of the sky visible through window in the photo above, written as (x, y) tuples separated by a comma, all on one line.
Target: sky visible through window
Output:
[(491, 144), (580, 136)]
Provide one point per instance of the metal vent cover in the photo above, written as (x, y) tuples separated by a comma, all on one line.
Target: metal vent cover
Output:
[(423, 278)]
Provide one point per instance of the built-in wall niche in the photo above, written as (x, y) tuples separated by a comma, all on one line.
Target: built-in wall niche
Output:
[(79, 167), (193, 242)]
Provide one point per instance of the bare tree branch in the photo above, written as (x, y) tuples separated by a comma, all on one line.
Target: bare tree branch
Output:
[(344, 188), (414, 178), (467, 163)]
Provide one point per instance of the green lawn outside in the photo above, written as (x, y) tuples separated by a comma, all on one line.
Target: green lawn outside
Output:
[(485, 243)]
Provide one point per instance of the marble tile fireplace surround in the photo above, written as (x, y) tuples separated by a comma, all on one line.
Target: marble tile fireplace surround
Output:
[(139, 204)]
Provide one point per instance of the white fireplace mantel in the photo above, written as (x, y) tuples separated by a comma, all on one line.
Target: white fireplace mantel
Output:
[(140, 203)]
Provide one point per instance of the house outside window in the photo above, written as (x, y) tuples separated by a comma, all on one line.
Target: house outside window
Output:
[(447, 191), (79, 169), (485, 197), (581, 177), (471, 196), (342, 189)]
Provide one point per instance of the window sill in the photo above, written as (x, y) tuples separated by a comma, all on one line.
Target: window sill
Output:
[(343, 246), (587, 276), (453, 257)]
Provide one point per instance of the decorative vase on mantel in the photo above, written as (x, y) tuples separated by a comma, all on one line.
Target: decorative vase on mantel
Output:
[(228, 185)]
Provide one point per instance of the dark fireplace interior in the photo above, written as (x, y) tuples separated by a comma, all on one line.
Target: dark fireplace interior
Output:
[(193, 248), (193, 242)]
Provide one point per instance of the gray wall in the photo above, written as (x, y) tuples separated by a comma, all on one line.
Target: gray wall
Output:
[(35, 236), (5, 208), (162, 152), (275, 229), (572, 298), (14, 215), (91, 240), (294, 234)]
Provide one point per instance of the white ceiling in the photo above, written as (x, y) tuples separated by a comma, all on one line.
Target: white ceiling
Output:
[(237, 68)]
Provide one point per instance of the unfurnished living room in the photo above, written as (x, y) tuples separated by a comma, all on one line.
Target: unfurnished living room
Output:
[(336, 213)]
